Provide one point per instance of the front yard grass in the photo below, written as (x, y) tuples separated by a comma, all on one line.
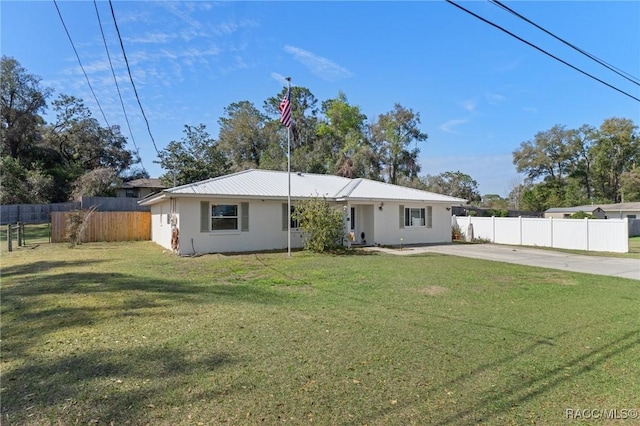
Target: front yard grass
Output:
[(125, 333)]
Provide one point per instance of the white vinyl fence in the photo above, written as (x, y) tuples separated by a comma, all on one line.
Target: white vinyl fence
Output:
[(576, 234)]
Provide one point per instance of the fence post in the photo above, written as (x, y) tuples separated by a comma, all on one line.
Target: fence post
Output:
[(20, 227), (520, 223), (493, 229), (9, 238), (586, 224)]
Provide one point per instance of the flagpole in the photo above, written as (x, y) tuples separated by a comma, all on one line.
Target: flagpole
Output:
[(289, 178)]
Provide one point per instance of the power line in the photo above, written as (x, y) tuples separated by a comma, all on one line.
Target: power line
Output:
[(542, 50), (115, 22), (115, 80), (616, 70), (80, 62)]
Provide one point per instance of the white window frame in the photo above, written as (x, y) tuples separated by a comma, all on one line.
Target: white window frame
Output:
[(425, 213), (221, 217)]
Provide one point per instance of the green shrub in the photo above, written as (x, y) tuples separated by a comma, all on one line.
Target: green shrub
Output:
[(322, 223), (581, 215)]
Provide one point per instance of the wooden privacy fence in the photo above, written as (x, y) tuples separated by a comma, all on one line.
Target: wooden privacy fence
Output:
[(106, 226)]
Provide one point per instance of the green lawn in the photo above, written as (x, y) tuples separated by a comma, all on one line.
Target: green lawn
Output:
[(128, 334)]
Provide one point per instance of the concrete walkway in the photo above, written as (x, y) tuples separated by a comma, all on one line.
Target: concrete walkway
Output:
[(611, 266)]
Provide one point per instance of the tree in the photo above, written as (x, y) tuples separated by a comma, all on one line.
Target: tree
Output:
[(516, 189), (559, 159), (393, 133), (192, 159), (342, 141), (454, 184), (21, 101), (494, 201), (322, 224), (21, 185), (304, 113), (630, 185), (547, 156), (101, 182), (75, 144), (242, 135), (581, 143), (615, 151)]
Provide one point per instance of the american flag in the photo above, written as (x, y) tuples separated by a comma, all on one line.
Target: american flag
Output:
[(285, 109)]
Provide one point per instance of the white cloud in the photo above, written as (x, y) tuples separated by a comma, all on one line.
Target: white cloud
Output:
[(469, 104), (494, 98), (318, 65), (226, 28), (156, 37), (279, 78), (532, 110), (449, 125)]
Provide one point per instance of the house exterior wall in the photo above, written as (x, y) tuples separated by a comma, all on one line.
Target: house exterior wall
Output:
[(265, 229), (160, 228), (381, 226), (559, 215), (621, 214), (387, 225)]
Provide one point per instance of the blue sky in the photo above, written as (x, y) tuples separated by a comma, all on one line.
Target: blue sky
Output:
[(479, 92)]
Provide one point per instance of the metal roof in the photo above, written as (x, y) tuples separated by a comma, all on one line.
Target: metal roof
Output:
[(591, 208), (574, 209), (143, 183), (273, 184)]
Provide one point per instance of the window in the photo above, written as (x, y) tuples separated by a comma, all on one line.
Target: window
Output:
[(131, 193), (224, 217), (353, 218), (417, 217), (294, 222), (413, 217)]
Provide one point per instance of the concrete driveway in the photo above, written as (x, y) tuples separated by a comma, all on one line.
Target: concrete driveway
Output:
[(611, 266)]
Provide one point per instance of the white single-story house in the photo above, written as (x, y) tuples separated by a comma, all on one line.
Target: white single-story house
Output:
[(247, 211), (621, 210), (598, 211)]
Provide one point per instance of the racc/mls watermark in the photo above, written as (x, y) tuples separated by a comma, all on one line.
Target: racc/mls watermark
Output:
[(601, 413)]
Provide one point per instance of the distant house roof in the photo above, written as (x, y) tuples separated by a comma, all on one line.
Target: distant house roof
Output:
[(594, 207), (274, 184), (576, 209), (143, 183), (620, 206)]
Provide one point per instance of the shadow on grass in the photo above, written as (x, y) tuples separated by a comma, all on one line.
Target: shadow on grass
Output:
[(102, 387), (30, 313), (493, 405), (43, 266), (503, 400)]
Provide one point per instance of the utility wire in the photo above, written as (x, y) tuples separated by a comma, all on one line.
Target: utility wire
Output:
[(80, 62), (616, 70), (115, 80), (542, 50), (115, 22)]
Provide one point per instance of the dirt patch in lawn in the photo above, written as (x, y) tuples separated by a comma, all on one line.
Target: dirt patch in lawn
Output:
[(433, 290)]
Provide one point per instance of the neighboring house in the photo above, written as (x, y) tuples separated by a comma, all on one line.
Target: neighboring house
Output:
[(600, 211), (621, 210), (566, 212), (247, 211), (140, 188)]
